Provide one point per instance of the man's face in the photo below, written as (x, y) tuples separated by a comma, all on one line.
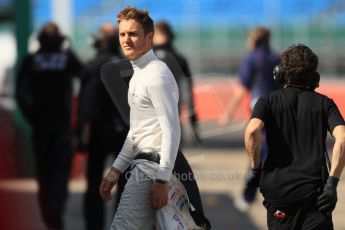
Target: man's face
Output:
[(134, 42)]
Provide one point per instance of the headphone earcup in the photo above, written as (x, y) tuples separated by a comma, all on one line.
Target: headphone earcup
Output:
[(278, 74)]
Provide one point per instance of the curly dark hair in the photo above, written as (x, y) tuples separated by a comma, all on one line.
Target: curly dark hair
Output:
[(299, 63)]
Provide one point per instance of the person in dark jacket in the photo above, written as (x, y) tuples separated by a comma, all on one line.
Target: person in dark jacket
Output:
[(256, 78), (44, 96), (163, 46), (102, 129), (298, 182)]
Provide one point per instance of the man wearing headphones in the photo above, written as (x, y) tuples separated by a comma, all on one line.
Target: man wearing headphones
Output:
[(102, 129), (299, 191), (44, 96)]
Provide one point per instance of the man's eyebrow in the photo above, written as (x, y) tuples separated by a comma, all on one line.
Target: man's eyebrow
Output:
[(130, 32)]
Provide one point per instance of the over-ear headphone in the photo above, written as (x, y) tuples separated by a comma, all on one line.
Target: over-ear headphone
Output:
[(278, 74), (281, 77)]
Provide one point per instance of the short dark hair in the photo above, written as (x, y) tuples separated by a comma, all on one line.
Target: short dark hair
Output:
[(299, 63), (261, 35), (50, 37), (140, 16), (165, 28), (50, 29)]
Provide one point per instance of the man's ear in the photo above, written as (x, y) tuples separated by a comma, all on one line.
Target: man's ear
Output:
[(150, 36)]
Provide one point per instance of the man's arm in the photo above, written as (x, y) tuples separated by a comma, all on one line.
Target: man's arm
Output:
[(108, 183), (328, 199), (338, 156), (164, 97), (121, 163), (253, 139), (246, 75), (239, 94), (126, 155), (87, 109), (23, 91)]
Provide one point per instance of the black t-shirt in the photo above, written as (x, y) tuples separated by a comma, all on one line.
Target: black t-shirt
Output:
[(296, 121), (96, 105)]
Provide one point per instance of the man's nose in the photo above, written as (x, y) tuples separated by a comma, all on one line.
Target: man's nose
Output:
[(127, 38)]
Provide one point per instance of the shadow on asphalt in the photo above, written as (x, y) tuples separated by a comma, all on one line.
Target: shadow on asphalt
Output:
[(19, 210), (225, 142), (220, 210), (213, 137)]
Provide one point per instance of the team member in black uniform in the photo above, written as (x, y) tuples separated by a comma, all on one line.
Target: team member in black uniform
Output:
[(298, 191), (103, 130), (163, 46), (44, 95)]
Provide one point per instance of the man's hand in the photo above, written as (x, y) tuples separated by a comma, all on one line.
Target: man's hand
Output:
[(108, 183), (327, 201), (253, 177), (158, 196)]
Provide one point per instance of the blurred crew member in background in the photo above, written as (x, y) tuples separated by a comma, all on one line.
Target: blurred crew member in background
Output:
[(102, 129), (163, 45), (44, 96), (256, 78)]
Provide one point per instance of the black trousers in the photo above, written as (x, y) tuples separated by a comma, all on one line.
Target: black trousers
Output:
[(102, 143), (181, 170), (53, 156), (301, 215), (184, 172)]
